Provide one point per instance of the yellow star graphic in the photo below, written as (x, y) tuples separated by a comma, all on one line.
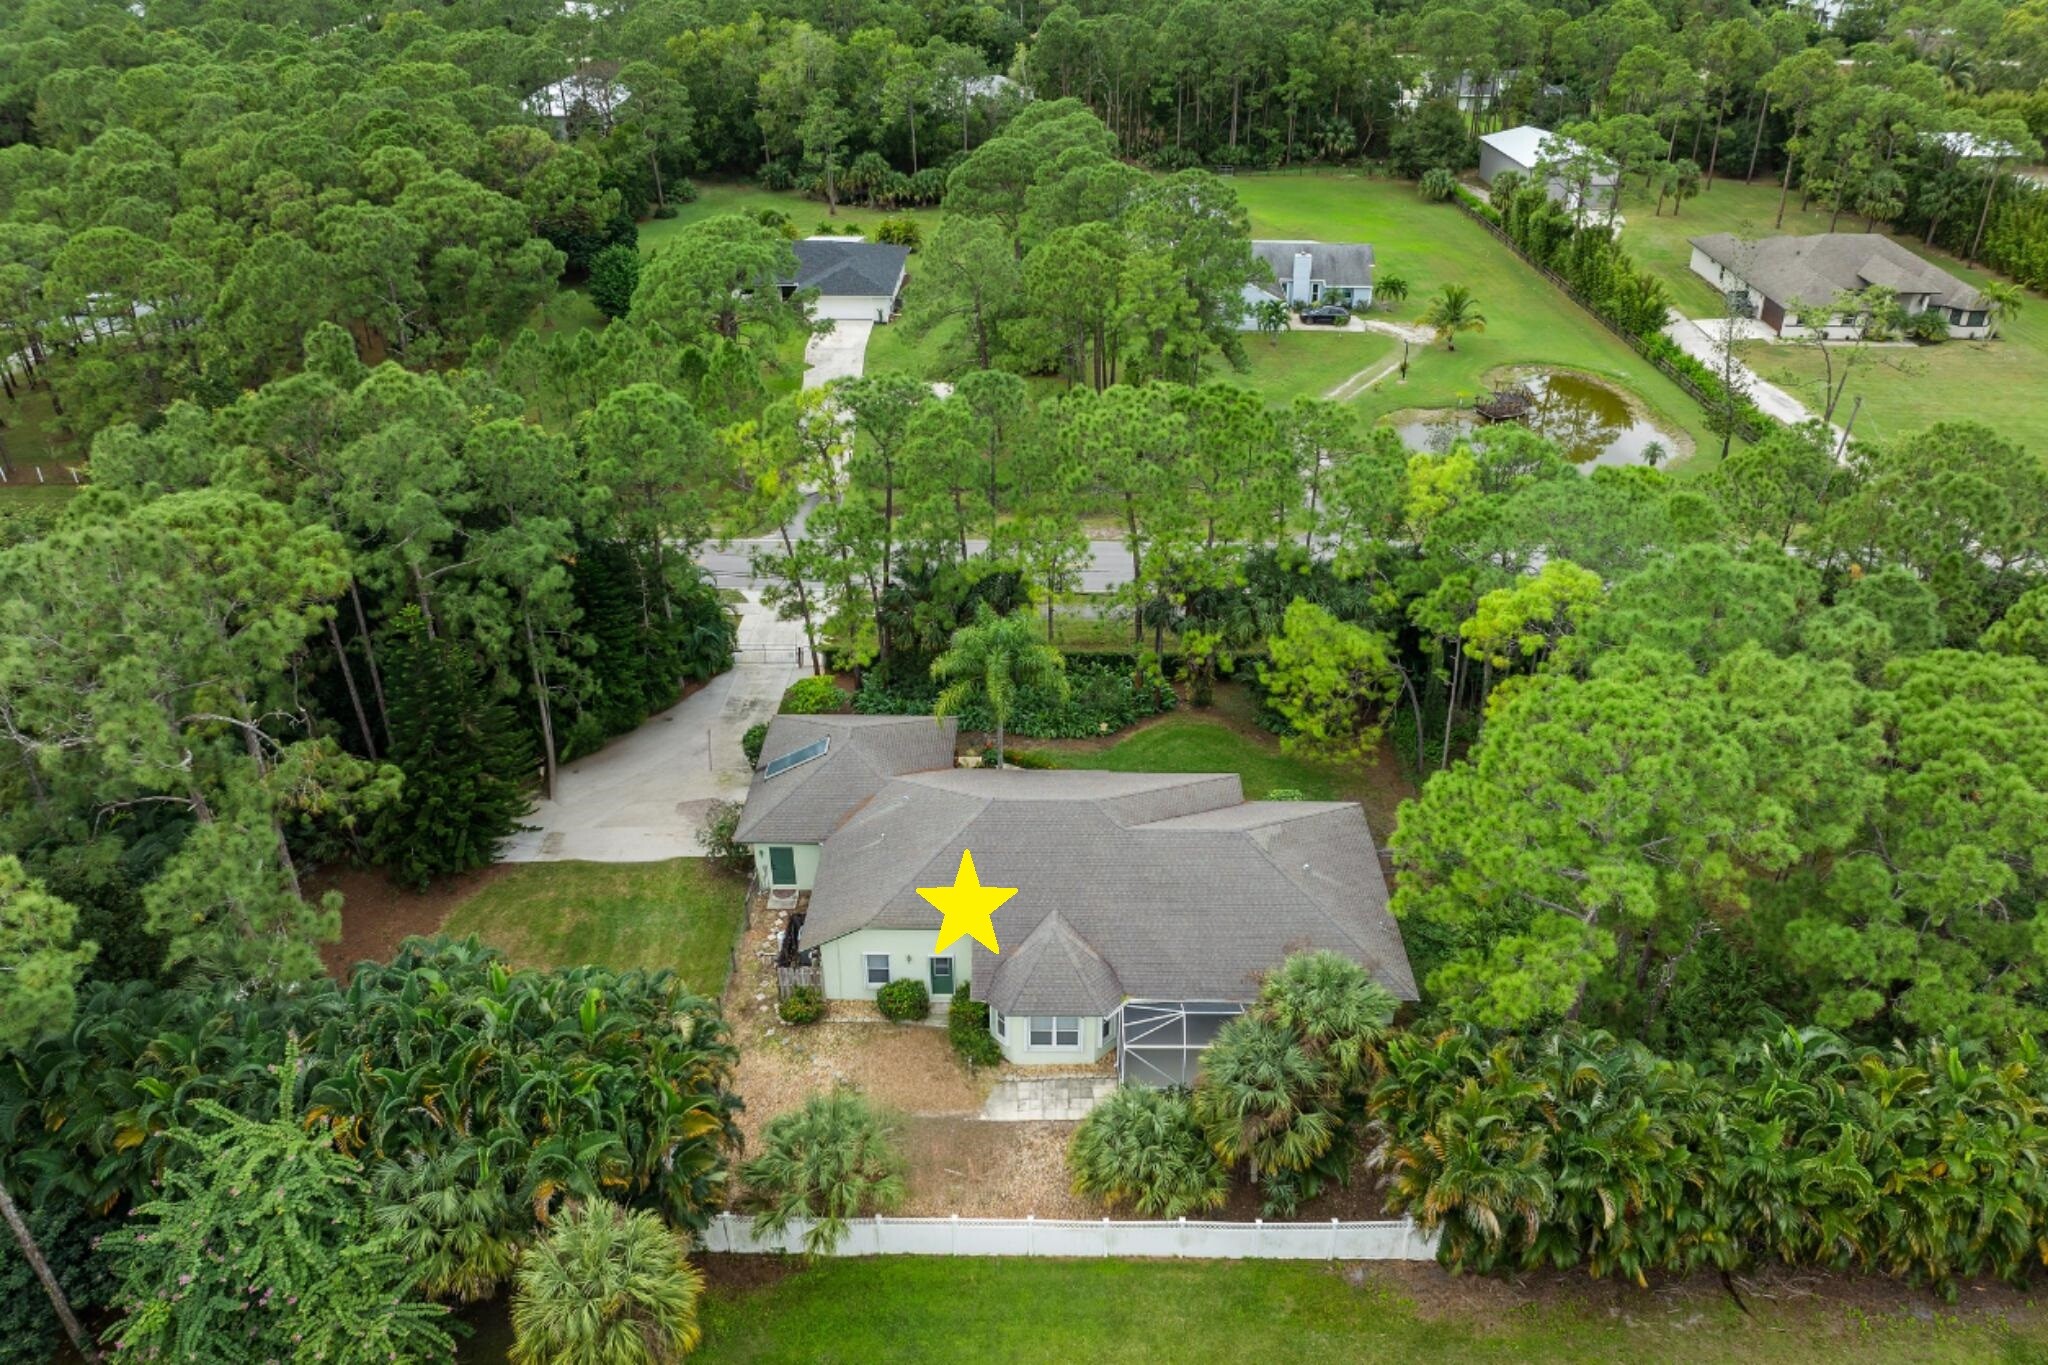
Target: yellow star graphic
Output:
[(967, 906)]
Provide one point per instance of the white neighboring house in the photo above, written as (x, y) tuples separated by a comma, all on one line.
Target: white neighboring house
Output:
[(1522, 149), (1774, 278), (856, 281), (1306, 274)]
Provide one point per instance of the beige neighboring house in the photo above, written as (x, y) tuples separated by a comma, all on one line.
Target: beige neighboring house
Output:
[(1149, 904), (1773, 279), (815, 772)]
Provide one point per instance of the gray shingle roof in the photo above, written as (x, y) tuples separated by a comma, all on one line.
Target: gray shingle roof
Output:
[(805, 804), (1340, 264), (1053, 971), (1176, 884), (833, 265), (1814, 269)]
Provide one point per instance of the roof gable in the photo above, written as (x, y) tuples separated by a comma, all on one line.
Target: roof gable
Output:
[(1814, 269), (837, 265), (805, 803)]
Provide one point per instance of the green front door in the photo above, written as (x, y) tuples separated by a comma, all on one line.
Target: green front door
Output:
[(942, 977), (781, 866)]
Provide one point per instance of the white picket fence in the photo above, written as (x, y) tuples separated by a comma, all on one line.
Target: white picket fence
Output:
[(1334, 1240)]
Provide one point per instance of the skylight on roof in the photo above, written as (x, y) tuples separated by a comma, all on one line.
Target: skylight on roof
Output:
[(796, 757)]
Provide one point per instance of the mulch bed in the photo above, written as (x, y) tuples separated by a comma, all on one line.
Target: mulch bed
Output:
[(377, 914)]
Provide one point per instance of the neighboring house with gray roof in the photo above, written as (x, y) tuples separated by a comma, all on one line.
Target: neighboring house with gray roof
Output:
[(1148, 904), (1787, 281), (855, 281), (1305, 274), (816, 771)]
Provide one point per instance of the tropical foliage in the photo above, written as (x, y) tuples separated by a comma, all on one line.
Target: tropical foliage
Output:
[(477, 1098), (1141, 1149)]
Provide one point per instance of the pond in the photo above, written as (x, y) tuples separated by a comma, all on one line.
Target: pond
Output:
[(1591, 423)]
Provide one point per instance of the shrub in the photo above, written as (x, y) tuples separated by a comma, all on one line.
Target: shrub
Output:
[(1438, 184), (664, 211), (678, 192), (721, 824), (815, 697), (1142, 1149), (1103, 695), (629, 1261), (904, 1000), (777, 175), (899, 232), (831, 1160), (66, 1231), (1019, 758), (967, 1030), (614, 274), (751, 742), (1927, 325), (805, 1005)]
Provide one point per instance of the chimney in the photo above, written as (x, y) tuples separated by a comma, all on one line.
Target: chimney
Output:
[(1303, 262)]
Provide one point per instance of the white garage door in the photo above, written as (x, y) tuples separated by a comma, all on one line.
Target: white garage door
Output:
[(853, 307)]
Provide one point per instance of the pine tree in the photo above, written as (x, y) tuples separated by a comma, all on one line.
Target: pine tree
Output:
[(467, 760)]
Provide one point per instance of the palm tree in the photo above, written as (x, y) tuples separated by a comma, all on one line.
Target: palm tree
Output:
[(1452, 311), (607, 1286), (991, 661), (1271, 317), (1142, 1147), (830, 1161), (1261, 1098), (1335, 1008), (1390, 290), (2006, 300)]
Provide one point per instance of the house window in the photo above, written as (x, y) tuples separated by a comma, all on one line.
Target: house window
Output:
[(996, 1017), (1108, 1028), (1062, 1030), (878, 968)]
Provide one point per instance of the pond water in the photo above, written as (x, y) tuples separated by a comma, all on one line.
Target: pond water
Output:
[(1591, 423)]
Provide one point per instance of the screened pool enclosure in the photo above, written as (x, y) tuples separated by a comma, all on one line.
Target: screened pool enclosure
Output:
[(1163, 1039)]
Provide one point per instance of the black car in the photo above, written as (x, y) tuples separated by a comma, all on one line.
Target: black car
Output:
[(1329, 315)]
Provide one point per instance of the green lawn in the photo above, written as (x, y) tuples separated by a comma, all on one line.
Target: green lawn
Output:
[(1312, 363), (2001, 380), (716, 197), (941, 1310), (682, 915), (1528, 321), (37, 439), (1189, 742)]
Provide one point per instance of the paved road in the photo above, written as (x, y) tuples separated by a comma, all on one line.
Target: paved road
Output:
[(643, 797), (1109, 564)]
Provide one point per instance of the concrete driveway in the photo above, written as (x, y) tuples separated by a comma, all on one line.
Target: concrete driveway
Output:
[(1701, 341), (841, 353), (643, 798)]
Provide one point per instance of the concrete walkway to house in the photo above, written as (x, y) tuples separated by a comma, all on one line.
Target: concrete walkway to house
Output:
[(1035, 1099), (841, 353), (1697, 341), (643, 798)]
